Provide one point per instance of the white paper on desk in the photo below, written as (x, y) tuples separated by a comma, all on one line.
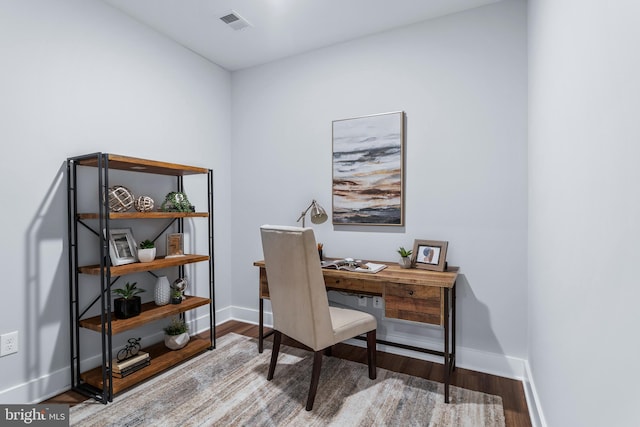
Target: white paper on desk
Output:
[(373, 268), (343, 264)]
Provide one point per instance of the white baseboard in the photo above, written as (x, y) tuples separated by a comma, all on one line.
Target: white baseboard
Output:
[(533, 401), (38, 389)]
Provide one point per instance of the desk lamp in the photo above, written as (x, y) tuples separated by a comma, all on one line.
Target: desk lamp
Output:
[(318, 215)]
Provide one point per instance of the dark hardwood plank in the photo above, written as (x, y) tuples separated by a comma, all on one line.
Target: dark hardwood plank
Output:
[(515, 405)]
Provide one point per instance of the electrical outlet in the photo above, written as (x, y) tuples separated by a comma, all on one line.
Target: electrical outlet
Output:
[(9, 343), (377, 302), (362, 301)]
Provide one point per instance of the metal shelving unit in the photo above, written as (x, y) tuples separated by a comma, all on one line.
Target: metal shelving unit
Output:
[(98, 382)]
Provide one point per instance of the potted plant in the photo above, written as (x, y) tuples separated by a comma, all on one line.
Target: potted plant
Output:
[(147, 251), (405, 257), (129, 303), (176, 296), (176, 334)]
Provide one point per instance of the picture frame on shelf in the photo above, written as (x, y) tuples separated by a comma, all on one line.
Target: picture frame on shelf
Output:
[(430, 254), (175, 245), (122, 246)]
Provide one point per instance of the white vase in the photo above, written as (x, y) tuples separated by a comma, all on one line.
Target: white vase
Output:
[(162, 292), (176, 342), (405, 262), (146, 255)]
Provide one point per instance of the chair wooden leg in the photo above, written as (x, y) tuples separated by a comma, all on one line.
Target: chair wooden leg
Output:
[(371, 354), (328, 351), (315, 377), (277, 336)]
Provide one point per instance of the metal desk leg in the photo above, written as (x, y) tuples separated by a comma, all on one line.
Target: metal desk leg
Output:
[(261, 326), (447, 371), (453, 327)]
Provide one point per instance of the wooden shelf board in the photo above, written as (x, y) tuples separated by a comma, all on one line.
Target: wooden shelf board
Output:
[(136, 267), (161, 359), (134, 164), (150, 312), (145, 215)]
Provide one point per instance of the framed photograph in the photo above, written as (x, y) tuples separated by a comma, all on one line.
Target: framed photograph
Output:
[(368, 170), (175, 245), (122, 246), (430, 255)]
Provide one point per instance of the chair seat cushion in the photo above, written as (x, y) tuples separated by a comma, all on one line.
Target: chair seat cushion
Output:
[(349, 323)]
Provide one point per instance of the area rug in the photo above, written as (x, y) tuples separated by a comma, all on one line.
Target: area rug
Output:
[(228, 387)]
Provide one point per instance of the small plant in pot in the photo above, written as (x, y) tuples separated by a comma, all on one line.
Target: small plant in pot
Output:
[(405, 257), (147, 251), (176, 334), (176, 296), (129, 303)]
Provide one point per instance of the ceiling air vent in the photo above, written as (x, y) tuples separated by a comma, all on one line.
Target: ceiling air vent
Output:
[(235, 21)]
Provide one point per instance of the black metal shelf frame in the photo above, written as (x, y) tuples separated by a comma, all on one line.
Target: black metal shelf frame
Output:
[(76, 313)]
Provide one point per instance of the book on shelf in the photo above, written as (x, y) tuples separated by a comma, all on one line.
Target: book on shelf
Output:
[(131, 369), (350, 265), (130, 361)]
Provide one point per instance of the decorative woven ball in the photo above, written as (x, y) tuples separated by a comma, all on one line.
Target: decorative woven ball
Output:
[(143, 204), (180, 284), (120, 198)]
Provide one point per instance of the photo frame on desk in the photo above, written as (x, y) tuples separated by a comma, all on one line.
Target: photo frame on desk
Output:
[(122, 246), (175, 245), (430, 254)]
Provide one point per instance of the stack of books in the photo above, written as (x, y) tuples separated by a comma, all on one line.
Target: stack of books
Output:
[(130, 365)]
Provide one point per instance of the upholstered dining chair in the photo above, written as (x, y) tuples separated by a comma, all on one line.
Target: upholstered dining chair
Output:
[(300, 304)]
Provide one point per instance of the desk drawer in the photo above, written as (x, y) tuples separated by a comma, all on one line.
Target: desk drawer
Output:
[(414, 302), (358, 286)]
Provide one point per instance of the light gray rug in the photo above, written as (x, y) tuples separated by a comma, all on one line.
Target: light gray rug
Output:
[(228, 387)]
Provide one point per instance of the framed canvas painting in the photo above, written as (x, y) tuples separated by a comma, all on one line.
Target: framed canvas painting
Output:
[(368, 170)]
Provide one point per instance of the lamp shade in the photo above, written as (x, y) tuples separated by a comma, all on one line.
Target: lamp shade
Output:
[(318, 214)]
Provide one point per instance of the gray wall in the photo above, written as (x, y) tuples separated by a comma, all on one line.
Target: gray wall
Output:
[(584, 100), (79, 77), (461, 80)]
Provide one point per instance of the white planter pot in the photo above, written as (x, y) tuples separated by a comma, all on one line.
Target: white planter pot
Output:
[(405, 262), (146, 255), (176, 342)]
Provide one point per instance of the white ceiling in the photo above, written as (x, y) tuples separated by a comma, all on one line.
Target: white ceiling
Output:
[(279, 28)]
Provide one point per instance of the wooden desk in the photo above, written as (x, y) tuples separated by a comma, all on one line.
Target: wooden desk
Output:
[(409, 294)]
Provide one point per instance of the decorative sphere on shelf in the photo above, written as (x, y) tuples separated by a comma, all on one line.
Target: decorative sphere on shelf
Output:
[(143, 204), (176, 201), (180, 284), (120, 198)]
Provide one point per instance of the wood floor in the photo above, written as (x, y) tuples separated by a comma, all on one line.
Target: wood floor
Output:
[(512, 392)]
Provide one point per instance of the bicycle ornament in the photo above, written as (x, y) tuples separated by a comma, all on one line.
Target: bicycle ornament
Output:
[(130, 350)]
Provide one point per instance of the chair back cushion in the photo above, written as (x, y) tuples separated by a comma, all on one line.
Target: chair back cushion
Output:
[(296, 285)]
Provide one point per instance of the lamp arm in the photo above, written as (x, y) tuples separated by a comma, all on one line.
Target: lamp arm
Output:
[(304, 214)]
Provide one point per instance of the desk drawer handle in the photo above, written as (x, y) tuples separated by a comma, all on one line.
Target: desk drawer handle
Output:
[(410, 292)]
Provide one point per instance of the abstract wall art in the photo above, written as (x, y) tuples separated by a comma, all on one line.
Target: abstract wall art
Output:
[(368, 170)]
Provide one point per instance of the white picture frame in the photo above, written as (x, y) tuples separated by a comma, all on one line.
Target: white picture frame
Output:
[(123, 248)]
